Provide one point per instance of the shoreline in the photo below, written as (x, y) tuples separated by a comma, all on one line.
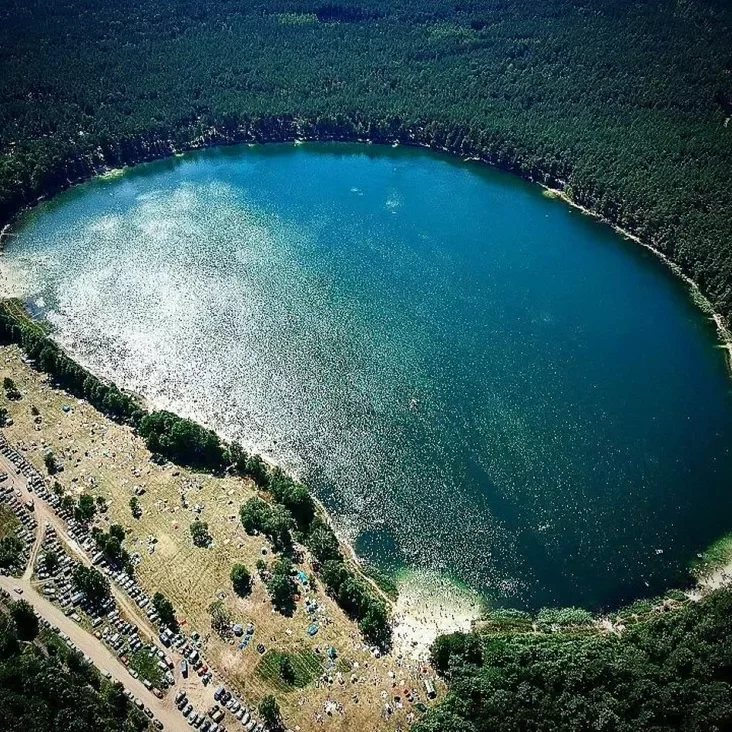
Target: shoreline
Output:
[(724, 329), (724, 333), (418, 625)]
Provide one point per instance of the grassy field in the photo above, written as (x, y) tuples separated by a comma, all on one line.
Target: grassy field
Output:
[(307, 667), (105, 459)]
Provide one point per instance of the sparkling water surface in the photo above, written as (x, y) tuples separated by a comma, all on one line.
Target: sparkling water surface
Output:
[(473, 378)]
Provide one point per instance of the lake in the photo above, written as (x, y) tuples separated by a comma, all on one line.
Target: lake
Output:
[(476, 380)]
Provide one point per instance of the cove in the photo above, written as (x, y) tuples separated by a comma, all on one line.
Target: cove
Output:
[(474, 379)]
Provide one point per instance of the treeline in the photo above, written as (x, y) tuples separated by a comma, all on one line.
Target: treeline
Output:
[(624, 103), (44, 687), (172, 437), (669, 673), (17, 327), (290, 514)]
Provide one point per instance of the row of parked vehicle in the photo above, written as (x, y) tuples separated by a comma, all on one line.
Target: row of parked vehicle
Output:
[(26, 532), (25, 468), (124, 637), (236, 706)]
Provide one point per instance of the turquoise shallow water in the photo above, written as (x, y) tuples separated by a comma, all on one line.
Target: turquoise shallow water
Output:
[(474, 378)]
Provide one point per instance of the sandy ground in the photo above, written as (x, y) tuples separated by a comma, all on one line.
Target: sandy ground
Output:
[(713, 580), (430, 605)]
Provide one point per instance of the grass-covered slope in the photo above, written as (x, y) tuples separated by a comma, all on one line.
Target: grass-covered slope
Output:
[(623, 101)]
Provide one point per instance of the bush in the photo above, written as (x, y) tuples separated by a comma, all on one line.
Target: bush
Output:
[(199, 533), (165, 610), (241, 580)]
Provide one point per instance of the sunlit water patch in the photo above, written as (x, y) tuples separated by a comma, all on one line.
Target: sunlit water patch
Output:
[(478, 382)]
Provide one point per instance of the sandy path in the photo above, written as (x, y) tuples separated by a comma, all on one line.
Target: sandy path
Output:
[(100, 656), (46, 515)]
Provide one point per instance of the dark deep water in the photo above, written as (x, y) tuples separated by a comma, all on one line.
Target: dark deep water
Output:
[(474, 378)]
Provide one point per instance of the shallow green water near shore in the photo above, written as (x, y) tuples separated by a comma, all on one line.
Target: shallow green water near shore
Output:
[(474, 378)]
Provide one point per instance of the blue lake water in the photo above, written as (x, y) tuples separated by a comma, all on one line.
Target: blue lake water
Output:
[(475, 379)]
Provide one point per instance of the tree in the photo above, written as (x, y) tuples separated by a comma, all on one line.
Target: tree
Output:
[(255, 468), (334, 573), (49, 460), (220, 618), (85, 509), (199, 533), (118, 700), (269, 709), (135, 507), (182, 440), (294, 497), (50, 562), (282, 587), (278, 528), (112, 549), (165, 610), (117, 531), (10, 551), (92, 583), (254, 515), (241, 580), (11, 390), (323, 543), (275, 521), (375, 626), (25, 620), (287, 670)]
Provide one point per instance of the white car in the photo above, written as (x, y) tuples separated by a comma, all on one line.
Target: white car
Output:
[(17, 589)]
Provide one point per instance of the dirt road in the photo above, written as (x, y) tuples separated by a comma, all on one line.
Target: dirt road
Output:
[(46, 515), (101, 657)]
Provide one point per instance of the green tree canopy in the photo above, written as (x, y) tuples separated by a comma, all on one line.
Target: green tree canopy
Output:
[(241, 580)]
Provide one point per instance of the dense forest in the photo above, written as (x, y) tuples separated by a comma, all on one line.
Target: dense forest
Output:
[(625, 103), (46, 687), (669, 672)]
